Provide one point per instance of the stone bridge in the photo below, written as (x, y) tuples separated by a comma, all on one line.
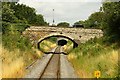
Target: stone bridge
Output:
[(79, 35)]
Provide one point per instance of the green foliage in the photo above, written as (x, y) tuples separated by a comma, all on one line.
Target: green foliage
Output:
[(28, 15), (53, 39), (16, 41), (15, 19), (23, 12), (96, 51), (20, 13), (94, 20), (107, 19), (79, 22), (39, 20), (93, 47), (93, 55), (12, 37), (9, 28), (5, 27), (63, 24), (8, 13), (112, 20)]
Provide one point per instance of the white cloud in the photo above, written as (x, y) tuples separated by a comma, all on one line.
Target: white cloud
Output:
[(68, 0), (64, 11)]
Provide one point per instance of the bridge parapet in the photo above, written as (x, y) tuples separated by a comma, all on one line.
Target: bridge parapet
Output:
[(72, 30), (79, 34)]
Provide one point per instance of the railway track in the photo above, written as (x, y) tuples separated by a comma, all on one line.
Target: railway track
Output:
[(52, 68)]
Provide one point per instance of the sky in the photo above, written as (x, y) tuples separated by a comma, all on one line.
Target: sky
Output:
[(69, 11)]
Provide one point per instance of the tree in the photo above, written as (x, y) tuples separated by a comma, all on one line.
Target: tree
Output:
[(63, 24), (24, 13), (112, 20), (39, 20), (8, 13), (94, 20), (20, 13), (79, 22)]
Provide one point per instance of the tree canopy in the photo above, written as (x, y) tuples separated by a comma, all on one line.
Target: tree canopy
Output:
[(63, 24), (111, 20), (95, 20), (8, 13), (107, 19), (20, 13)]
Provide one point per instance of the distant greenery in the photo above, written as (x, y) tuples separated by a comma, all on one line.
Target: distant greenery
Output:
[(107, 19), (47, 45), (63, 24), (93, 21), (52, 39), (19, 13)]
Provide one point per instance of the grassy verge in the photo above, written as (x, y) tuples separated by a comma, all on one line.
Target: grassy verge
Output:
[(93, 56), (14, 64), (47, 45), (17, 51)]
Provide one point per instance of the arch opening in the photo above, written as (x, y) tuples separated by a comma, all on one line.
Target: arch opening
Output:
[(54, 40)]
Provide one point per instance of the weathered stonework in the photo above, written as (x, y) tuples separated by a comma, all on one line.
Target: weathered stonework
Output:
[(78, 34)]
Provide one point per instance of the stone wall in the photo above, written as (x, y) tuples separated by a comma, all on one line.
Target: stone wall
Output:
[(78, 34)]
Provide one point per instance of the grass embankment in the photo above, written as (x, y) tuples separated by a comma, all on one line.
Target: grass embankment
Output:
[(47, 45), (14, 62), (95, 55), (17, 51)]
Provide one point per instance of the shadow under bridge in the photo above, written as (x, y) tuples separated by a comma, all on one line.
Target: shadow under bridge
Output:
[(50, 43)]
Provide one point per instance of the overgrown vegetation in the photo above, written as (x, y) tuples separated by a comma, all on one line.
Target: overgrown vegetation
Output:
[(17, 50), (95, 55), (47, 45), (100, 54)]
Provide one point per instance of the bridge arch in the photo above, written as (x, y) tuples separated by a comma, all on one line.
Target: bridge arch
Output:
[(57, 35)]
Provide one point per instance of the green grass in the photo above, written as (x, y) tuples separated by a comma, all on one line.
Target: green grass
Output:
[(47, 45), (95, 55), (17, 50)]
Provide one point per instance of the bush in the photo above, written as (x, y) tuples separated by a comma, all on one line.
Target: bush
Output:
[(93, 47), (12, 37), (5, 27), (93, 55)]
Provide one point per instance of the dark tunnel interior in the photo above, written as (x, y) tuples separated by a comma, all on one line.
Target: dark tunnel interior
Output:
[(62, 42)]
